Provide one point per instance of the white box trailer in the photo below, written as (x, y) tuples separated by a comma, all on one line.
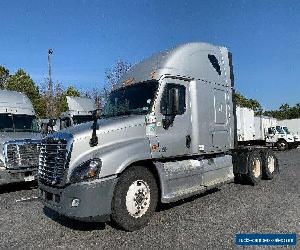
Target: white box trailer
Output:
[(245, 124), (261, 125), (292, 124)]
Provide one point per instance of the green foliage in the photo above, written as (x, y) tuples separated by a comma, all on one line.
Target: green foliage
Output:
[(4, 75), (285, 111), (253, 104), (21, 82)]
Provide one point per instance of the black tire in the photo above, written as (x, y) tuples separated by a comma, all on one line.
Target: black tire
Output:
[(269, 164), (254, 167), (121, 217), (282, 145)]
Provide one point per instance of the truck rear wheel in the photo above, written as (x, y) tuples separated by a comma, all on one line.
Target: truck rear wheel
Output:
[(254, 166), (282, 145), (135, 199), (269, 164)]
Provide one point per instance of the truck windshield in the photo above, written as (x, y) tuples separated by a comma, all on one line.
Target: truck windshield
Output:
[(6, 123), (134, 99), (18, 123), (286, 130), (279, 130), (77, 119)]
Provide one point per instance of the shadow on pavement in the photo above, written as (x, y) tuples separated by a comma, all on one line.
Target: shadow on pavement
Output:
[(73, 224), (13, 187)]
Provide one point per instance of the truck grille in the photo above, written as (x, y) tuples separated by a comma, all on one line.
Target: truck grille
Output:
[(53, 161), (22, 155)]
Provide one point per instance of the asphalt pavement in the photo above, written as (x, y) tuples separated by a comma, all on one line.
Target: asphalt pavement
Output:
[(207, 221)]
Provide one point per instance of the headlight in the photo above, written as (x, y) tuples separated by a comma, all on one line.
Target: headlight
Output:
[(86, 171)]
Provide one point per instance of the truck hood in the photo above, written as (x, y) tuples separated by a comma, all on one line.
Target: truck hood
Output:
[(105, 126), (12, 136), (113, 134)]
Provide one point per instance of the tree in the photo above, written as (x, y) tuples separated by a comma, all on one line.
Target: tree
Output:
[(22, 82), (253, 104), (114, 74), (61, 97), (4, 75), (285, 111)]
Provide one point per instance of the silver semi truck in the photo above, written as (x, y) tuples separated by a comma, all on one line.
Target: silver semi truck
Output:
[(19, 138), (167, 132), (80, 110)]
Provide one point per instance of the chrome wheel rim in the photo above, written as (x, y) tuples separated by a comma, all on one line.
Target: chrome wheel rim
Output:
[(271, 164), (138, 198), (256, 168)]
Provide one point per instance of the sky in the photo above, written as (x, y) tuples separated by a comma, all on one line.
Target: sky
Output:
[(89, 36)]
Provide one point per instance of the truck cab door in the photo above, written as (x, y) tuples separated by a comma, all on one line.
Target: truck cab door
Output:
[(173, 118), (271, 135)]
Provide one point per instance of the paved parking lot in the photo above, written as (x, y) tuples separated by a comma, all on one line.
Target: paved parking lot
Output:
[(208, 221)]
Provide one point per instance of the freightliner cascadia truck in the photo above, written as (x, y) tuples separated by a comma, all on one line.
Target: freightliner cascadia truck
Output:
[(19, 138), (167, 132)]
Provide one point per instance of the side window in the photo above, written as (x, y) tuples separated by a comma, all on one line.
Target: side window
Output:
[(215, 63), (65, 123), (173, 100), (272, 131)]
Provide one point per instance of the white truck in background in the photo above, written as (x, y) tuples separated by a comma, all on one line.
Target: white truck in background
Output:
[(261, 130), (19, 138), (296, 136), (292, 126)]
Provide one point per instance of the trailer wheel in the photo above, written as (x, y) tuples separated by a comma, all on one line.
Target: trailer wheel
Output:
[(282, 145), (254, 166), (135, 199), (269, 164)]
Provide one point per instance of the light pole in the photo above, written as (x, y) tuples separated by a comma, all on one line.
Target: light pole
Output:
[(50, 86), (50, 103)]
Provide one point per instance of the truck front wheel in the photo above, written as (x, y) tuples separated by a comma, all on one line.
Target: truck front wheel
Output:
[(282, 145), (135, 198)]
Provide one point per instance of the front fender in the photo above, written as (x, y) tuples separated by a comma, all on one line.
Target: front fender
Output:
[(120, 156), (116, 157)]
